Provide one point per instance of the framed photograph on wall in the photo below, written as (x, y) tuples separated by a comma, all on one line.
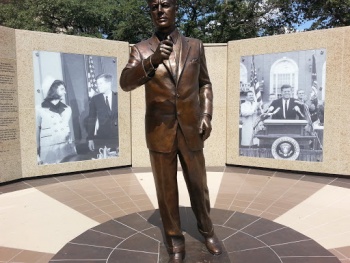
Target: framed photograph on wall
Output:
[(76, 107), (282, 103)]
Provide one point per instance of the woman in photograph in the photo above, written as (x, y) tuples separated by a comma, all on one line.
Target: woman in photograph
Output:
[(52, 120)]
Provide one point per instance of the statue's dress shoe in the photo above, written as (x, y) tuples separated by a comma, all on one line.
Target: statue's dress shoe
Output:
[(176, 257), (213, 245)]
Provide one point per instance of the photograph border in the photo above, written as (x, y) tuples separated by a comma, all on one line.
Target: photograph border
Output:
[(66, 126), (27, 42), (267, 129), (336, 42)]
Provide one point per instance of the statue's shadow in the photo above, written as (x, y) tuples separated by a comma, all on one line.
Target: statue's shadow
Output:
[(195, 248)]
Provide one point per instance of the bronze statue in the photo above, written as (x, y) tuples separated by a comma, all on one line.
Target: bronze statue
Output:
[(179, 106)]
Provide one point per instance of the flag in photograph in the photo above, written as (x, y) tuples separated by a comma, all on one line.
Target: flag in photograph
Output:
[(314, 86), (254, 84), (313, 75), (91, 78)]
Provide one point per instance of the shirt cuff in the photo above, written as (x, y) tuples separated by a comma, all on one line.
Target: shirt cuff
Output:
[(148, 67)]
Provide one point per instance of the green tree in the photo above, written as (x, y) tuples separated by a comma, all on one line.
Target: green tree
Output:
[(112, 19), (194, 16), (58, 16), (236, 20), (324, 13), (17, 14), (131, 22), (222, 21), (209, 20)]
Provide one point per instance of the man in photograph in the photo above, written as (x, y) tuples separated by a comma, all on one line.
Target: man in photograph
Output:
[(267, 104), (179, 106), (301, 99), (249, 113), (103, 116), (301, 95), (286, 107)]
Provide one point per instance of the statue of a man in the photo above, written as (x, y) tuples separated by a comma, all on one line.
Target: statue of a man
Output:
[(179, 106)]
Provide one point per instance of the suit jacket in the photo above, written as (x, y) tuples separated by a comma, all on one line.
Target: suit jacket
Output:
[(171, 100), (107, 119), (291, 113)]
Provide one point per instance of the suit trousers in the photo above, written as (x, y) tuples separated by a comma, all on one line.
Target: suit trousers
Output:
[(164, 167)]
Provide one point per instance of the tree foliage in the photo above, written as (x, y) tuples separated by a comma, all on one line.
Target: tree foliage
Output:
[(131, 21), (222, 21), (209, 20), (324, 13), (122, 20)]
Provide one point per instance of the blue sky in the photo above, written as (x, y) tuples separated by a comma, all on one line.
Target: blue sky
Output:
[(307, 24)]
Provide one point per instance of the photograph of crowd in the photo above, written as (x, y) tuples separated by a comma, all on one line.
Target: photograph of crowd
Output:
[(282, 102), (76, 107)]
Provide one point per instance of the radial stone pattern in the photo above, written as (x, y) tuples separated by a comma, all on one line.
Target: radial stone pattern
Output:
[(111, 216), (245, 238)]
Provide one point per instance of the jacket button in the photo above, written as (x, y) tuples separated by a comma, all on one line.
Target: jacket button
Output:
[(178, 95)]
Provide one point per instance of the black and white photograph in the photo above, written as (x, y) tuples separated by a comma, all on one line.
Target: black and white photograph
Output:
[(282, 102), (76, 107)]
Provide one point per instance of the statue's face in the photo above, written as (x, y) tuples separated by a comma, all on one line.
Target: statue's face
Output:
[(163, 13)]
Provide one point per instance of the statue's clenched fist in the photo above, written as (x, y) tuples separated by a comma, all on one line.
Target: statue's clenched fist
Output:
[(162, 52)]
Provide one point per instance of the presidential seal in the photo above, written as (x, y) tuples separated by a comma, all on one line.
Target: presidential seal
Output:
[(285, 148)]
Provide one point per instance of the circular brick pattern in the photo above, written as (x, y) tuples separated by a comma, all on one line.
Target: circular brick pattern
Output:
[(245, 238)]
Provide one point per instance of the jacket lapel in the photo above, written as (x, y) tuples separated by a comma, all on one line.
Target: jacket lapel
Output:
[(114, 102), (153, 43), (184, 50), (153, 46)]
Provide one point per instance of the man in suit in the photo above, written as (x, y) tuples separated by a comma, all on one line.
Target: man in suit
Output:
[(179, 105), (104, 109), (286, 107), (301, 95), (302, 99)]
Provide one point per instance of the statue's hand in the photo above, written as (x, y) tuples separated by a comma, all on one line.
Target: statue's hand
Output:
[(162, 52), (205, 127)]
